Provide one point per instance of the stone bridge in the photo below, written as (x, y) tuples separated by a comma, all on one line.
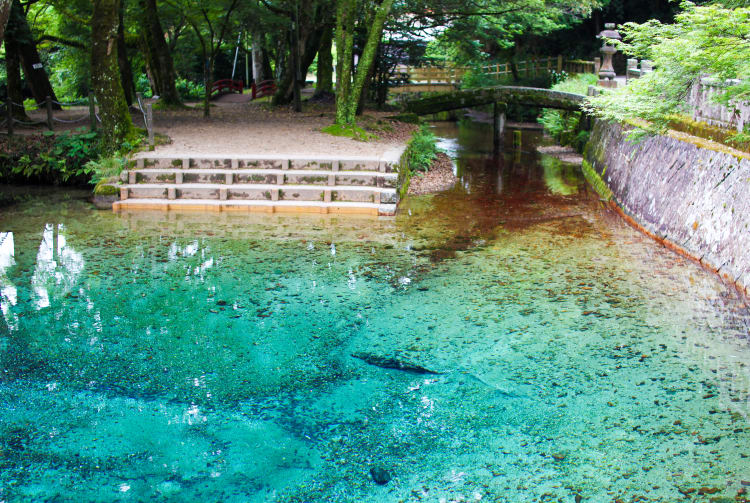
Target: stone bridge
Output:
[(531, 96)]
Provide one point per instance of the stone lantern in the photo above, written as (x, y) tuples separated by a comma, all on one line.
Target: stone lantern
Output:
[(607, 72)]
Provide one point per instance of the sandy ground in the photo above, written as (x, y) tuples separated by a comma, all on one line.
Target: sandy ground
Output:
[(565, 154), (242, 129)]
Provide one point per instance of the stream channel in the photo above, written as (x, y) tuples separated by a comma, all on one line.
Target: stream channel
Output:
[(509, 339)]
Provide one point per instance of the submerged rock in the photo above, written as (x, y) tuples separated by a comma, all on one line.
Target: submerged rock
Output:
[(387, 362), (380, 475)]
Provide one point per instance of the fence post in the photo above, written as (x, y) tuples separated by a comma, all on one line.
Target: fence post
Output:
[(92, 111), (559, 63), (150, 125), (9, 110), (50, 124)]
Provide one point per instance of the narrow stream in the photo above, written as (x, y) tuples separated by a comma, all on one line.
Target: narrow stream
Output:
[(507, 340)]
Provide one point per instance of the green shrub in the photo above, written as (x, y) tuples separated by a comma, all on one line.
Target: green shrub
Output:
[(421, 150), (564, 125), (49, 159), (189, 90)]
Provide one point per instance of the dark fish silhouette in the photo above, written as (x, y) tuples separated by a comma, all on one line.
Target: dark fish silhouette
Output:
[(392, 363)]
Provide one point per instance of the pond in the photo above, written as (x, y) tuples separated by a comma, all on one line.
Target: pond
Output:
[(507, 340)]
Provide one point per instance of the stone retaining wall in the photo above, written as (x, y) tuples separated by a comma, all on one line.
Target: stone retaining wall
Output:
[(693, 199)]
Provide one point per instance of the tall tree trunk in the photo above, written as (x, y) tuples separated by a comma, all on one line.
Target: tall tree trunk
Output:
[(348, 91), (117, 125), (13, 71), (36, 75), (5, 6), (208, 82), (157, 54), (258, 71), (126, 72), (324, 76)]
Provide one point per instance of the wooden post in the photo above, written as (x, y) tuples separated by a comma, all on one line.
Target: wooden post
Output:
[(559, 63), (92, 111), (9, 110), (597, 65), (150, 125), (50, 124), (498, 113), (517, 135)]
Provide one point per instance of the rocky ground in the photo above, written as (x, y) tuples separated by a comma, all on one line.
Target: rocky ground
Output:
[(440, 177)]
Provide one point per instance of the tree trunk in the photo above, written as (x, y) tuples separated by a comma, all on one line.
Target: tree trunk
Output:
[(258, 71), (208, 81), (35, 74), (157, 54), (346, 103), (344, 49), (5, 6), (117, 125), (13, 70), (324, 77), (126, 72)]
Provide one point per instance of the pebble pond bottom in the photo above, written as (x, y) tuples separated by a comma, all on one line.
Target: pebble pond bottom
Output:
[(507, 340)]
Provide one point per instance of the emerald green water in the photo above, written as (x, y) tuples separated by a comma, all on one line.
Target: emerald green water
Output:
[(190, 357)]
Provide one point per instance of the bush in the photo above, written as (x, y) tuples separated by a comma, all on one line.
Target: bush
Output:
[(189, 90), (421, 150), (564, 125), (49, 159)]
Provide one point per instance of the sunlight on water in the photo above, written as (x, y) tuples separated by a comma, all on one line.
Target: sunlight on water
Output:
[(507, 340)]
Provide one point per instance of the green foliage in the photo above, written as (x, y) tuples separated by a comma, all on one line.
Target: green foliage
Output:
[(189, 90), (49, 159), (104, 168), (421, 150), (564, 125), (703, 40)]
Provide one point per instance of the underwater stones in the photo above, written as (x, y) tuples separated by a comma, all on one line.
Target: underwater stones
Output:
[(380, 475)]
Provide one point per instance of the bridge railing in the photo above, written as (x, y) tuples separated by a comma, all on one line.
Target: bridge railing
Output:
[(227, 85), (264, 88), (452, 76)]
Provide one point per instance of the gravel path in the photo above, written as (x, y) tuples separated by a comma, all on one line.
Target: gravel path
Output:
[(236, 129)]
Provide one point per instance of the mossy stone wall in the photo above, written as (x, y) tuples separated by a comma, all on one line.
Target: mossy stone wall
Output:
[(690, 196)]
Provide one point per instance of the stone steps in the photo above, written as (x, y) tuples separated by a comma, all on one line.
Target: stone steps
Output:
[(261, 184)]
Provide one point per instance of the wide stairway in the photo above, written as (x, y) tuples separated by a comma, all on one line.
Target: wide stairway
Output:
[(367, 186)]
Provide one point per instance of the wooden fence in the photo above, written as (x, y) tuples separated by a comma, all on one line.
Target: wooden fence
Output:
[(432, 76)]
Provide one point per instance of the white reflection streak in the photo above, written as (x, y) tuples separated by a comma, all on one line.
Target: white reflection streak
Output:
[(8, 291), (58, 266)]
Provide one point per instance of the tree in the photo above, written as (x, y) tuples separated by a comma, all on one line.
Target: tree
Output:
[(350, 83), (157, 54), (36, 75), (5, 6), (117, 125), (704, 40), (210, 21), (324, 75)]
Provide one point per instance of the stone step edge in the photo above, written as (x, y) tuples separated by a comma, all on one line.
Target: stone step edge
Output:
[(392, 155), (380, 165), (259, 186), (264, 171), (374, 209)]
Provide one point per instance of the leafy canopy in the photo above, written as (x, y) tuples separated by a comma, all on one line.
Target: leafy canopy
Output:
[(704, 40)]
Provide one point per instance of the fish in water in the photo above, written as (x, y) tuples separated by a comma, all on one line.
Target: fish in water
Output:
[(387, 362)]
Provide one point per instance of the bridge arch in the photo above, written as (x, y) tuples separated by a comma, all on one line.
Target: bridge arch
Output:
[(531, 96)]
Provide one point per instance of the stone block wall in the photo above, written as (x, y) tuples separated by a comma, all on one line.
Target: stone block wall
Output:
[(694, 199)]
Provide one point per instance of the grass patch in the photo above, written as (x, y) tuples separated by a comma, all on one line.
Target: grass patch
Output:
[(349, 131)]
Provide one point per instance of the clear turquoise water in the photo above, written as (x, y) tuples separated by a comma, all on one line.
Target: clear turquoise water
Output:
[(189, 357)]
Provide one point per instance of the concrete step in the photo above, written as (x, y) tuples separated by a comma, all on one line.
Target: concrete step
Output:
[(259, 191), (262, 176), (320, 164), (373, 209)]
